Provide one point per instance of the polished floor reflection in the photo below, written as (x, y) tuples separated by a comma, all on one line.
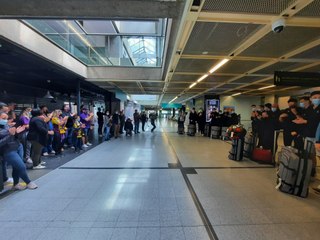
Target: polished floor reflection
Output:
[(138, 188)]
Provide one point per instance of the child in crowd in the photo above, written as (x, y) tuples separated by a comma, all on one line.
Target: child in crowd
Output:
[(78, 133)]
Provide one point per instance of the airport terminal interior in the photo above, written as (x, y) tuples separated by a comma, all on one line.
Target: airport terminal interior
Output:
[(160, 119)]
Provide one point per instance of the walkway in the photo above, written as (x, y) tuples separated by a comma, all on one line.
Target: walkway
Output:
[(159, 186)]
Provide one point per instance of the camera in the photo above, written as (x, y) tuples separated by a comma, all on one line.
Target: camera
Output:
[(278, 26)]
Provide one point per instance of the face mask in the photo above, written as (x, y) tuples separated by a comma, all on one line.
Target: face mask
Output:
[(273, 109), (3, 122), (316, 102), (301, 105)]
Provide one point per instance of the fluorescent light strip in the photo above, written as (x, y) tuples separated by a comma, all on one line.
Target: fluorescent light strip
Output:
[(262, 88), (193, 84), (219, 65), (203, 77), (173, 99), (236, 94)]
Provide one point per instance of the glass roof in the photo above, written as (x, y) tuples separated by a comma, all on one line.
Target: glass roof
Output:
[(106, 42)]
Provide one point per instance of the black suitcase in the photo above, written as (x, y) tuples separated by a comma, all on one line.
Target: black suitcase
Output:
[(294, 171), (207, 130), (181, 128), (215, 132), (236, 152), (191, 129)]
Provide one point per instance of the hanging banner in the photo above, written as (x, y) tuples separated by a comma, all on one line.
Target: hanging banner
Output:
[(171, 105), (302, 79)]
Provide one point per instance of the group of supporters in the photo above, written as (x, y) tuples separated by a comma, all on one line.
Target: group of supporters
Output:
[(300, 123), (224, 118), (117, 123)]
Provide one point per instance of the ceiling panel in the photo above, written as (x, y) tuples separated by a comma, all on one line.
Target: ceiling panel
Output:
[(313, 53), (126, 84), (312, 10), (211, 37), (184, 78), (312, 69), (246, 80), (278, 44), (178, 85), (195, 65), (280, 66), (152, 84), (216, 79), (235, 66), (247, 6)]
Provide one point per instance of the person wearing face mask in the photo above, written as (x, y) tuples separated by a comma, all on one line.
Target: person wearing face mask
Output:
[(77, 133), (86, 118), (310, 120), (234, 118), (107, 126), (266, 131), (12, 153), (286, 117), (59, 131)]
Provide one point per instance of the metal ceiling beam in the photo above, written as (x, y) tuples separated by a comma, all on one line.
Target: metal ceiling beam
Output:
[(261, 19), (122, 80), (93, 9)]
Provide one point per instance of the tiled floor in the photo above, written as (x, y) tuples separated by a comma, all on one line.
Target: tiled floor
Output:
[(123, 189)]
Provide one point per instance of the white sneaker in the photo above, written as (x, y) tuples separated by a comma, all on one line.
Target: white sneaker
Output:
[(89, 144), (45, 154), (8, 182), (39, 167), (32, 186), (29, 160), (53, 152), (43, 163), (85, 145), (19, 187), (72, 147)]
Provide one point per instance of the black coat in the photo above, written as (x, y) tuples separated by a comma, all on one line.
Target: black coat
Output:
[(38, 131), (8, 143)]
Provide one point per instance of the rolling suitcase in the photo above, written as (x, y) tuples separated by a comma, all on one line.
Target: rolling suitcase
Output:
[(294, 171), (215, 132), (191, 129), (261, 155), (249, 145), (207, 130), (181, 128), (224, 133), (236, 152)]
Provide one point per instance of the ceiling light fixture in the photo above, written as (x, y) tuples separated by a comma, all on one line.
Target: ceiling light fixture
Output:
[(203, 77), (173, 99), (193, 84), (262, 88), (236, 94), (219, 65), (48, 95)]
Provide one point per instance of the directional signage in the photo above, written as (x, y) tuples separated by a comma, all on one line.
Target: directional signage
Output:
[(302, 79), (171, 105)]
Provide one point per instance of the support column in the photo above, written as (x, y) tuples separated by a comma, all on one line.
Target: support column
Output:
[(78, 96)]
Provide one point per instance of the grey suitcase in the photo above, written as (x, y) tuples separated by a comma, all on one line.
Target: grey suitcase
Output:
[(191, 129), (215, 132), (207, 130), (236, 152), (294, 171), (249, 144)]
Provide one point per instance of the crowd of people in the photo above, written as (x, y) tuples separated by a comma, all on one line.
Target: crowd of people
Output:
[(33, 133), (224, 118)]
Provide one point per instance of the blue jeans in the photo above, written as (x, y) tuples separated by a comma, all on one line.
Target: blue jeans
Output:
[(136, 127), (106, 133), (15, 159)]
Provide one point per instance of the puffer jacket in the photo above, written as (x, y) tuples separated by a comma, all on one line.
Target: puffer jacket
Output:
[(8, 143)]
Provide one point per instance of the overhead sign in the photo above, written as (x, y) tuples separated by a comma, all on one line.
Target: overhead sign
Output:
[(302, 79), (171, 105)]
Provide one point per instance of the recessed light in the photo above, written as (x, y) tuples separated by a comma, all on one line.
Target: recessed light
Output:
[(205, 52)]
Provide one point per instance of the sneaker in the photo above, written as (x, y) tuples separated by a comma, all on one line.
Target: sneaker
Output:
[(72, 147), (46, 154), (100, 135), (43, 163), (32, 186), (8, 182), (53, 152), (89, 144), (85, 145), (29, 160), (62, 149), (19, 187), (39, 167)]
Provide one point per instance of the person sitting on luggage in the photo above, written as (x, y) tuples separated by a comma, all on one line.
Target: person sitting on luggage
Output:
[(128, 127)]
